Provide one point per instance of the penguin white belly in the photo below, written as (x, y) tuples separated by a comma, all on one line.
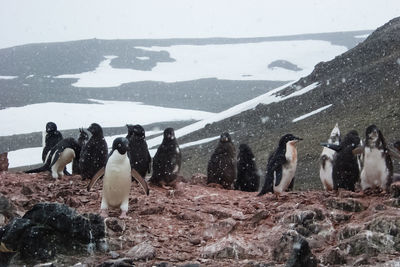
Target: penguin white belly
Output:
[(57, 170), (375, 172), (117, 181), (288, 169), (325, 172)]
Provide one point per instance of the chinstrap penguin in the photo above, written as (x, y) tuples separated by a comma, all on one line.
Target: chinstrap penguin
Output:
[(378, 166), (281, 166), (345, 170), (59, 156), (117, 179), (138, 153), (52, 138), (221, 168), (326, 159), (248, 178), (82, 140), (94, 153), (167, 160)]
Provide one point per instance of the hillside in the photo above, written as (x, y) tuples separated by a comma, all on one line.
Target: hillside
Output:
[(363, 87)]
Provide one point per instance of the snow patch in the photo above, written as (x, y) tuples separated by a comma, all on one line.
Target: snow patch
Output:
[(311, 113), (8, 77), (32, 118), (247, 61)]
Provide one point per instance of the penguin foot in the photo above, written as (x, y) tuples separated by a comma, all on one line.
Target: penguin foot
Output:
[(123, 215), (104, 213)]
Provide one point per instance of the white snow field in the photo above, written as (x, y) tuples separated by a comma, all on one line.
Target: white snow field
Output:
[(302, 117), (229, 61), (7, 77), (33, 118)]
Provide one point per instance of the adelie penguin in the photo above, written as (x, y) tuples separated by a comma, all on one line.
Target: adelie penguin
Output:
[(281, 166), (378, 166), (59, 156), (139, 155), (52, 138), (221, 167), (82, 140), (345, 170), (248, 178), (117, 179), (167, 160), (94, 153), (326, 159)]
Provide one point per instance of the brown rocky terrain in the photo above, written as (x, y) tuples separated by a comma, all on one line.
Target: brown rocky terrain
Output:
[(208, 226)]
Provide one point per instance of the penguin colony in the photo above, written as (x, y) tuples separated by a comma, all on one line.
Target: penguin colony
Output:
[(343, 163)]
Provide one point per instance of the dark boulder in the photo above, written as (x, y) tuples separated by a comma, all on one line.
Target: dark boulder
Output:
[(301, 255)]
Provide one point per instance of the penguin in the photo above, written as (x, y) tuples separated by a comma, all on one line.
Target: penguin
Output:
[(248, 178), (221, 168), (281, 166), (117, 179), (326, 160), (345, 170), (139, 155), (167, 160), (52, 138), (378, 167), (82, 140), (94, 153), (59, 156)]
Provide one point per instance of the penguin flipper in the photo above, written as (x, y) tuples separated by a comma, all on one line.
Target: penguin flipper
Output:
[(140, 180), (331, 146), (278, 176), (96, 177), (358, 150), (393, 153), (56, 155)]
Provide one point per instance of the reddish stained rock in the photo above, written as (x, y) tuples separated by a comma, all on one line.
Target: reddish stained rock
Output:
[(242, 229), (4, 162)]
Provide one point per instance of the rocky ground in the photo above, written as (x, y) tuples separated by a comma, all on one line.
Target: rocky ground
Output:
[(209, 226)]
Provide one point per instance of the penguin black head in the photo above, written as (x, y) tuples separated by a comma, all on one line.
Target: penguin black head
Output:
[(138, 132), (373, 136), (121, 144), (244, 147), (83, 136), (51, 127), (289, 138), (225, 138), (169, 134), (95, 129), (351, 139), (130, 129)]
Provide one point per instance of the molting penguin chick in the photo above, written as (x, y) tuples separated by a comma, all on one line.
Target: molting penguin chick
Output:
[(281, 166), (58, 157), (167, 160), (117, 179), (247, 173), (82, 140), (52, 138), (221, 167), (345, 170), (94, 153), (326, 159), (138, 154), (378, 166)]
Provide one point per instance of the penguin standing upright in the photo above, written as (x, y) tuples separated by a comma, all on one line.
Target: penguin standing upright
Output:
[(82, 140), (281, 166), (326, 159), (94, 153), (345, 170), (58, 157), (52, 138), (167, 160), (117, 179), (139, 155), (247, 173), (221, 167), (378, 167)]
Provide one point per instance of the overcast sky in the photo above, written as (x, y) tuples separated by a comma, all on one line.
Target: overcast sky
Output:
[(32, 21)]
